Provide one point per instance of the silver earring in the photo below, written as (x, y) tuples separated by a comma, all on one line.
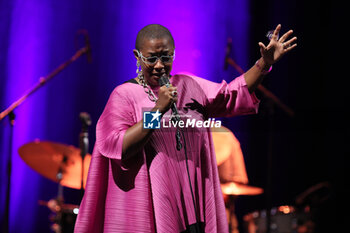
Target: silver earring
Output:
[(139, 71), (137, 67)]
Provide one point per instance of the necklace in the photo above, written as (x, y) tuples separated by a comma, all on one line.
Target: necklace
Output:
[(147, 89)]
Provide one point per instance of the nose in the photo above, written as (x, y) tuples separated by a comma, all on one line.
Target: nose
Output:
[(159, 64)]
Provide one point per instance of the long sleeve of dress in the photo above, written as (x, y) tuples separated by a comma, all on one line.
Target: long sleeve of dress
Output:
[(116, 118), (228, 99)]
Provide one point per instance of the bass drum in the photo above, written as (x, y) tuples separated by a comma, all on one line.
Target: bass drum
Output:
[(284, 219)]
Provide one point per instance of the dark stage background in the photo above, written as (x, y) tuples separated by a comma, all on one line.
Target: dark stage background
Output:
[(37, 36)]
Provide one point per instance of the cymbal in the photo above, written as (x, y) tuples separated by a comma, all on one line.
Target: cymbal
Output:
[(224, 142), (48, 158), (233, 188)]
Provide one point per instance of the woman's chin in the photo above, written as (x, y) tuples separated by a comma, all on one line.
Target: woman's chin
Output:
[(153, 80)]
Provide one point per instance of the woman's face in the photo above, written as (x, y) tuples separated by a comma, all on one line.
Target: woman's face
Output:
[(155, 47)]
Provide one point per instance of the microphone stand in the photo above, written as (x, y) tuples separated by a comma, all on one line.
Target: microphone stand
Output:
[(9, 170), (272, 100), (84, 145), (43, 81), (14, 105)]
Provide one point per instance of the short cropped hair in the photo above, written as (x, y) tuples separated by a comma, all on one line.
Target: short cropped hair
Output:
[(153, 31)]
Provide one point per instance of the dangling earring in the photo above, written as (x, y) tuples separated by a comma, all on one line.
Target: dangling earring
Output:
[(139, 71), (137, 67)]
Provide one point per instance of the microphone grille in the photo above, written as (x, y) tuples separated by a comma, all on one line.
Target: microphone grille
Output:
[(85, 118), (163, 80)]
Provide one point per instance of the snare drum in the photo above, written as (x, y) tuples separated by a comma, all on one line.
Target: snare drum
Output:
[(284, 219)]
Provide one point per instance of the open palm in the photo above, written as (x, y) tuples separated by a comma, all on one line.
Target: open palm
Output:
[(277, 46)]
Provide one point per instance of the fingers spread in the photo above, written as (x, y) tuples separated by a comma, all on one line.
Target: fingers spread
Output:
[(288, 44), (276, 32), (262, 46), (285, 36), (290, 48)]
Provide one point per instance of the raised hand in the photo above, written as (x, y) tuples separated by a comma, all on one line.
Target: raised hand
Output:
[(277, 46)]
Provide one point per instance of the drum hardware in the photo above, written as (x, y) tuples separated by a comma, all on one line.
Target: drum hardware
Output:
[(231, 190), (291, 219), (63, 215), (62, 164), (84, 145), (284, 219)]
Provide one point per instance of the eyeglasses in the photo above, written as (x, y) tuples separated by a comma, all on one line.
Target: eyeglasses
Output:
[(153, 60)]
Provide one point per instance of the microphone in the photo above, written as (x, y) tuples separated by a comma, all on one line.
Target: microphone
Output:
[(87, 44), (164, 81), (85, 119), (227, 52)]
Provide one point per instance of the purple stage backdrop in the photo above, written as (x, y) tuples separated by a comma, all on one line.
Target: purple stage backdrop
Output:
[(38, 35)]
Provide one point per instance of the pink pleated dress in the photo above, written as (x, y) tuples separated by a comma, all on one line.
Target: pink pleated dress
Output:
[(151, 193)]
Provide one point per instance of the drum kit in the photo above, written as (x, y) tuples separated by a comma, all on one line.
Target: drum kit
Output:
[(234, 183), (62, 164)]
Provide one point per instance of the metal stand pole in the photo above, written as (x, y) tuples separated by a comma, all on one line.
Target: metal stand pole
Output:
[(84, 145), (268, 189), (9, 170)]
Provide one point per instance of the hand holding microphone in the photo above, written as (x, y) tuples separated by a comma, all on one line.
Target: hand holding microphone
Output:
[(167, 96), (169, 91)]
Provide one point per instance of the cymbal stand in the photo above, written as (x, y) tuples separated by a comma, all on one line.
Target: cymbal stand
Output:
[(60, 187), (57, 226), (269, 165), (233, 223), (56, 205)]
